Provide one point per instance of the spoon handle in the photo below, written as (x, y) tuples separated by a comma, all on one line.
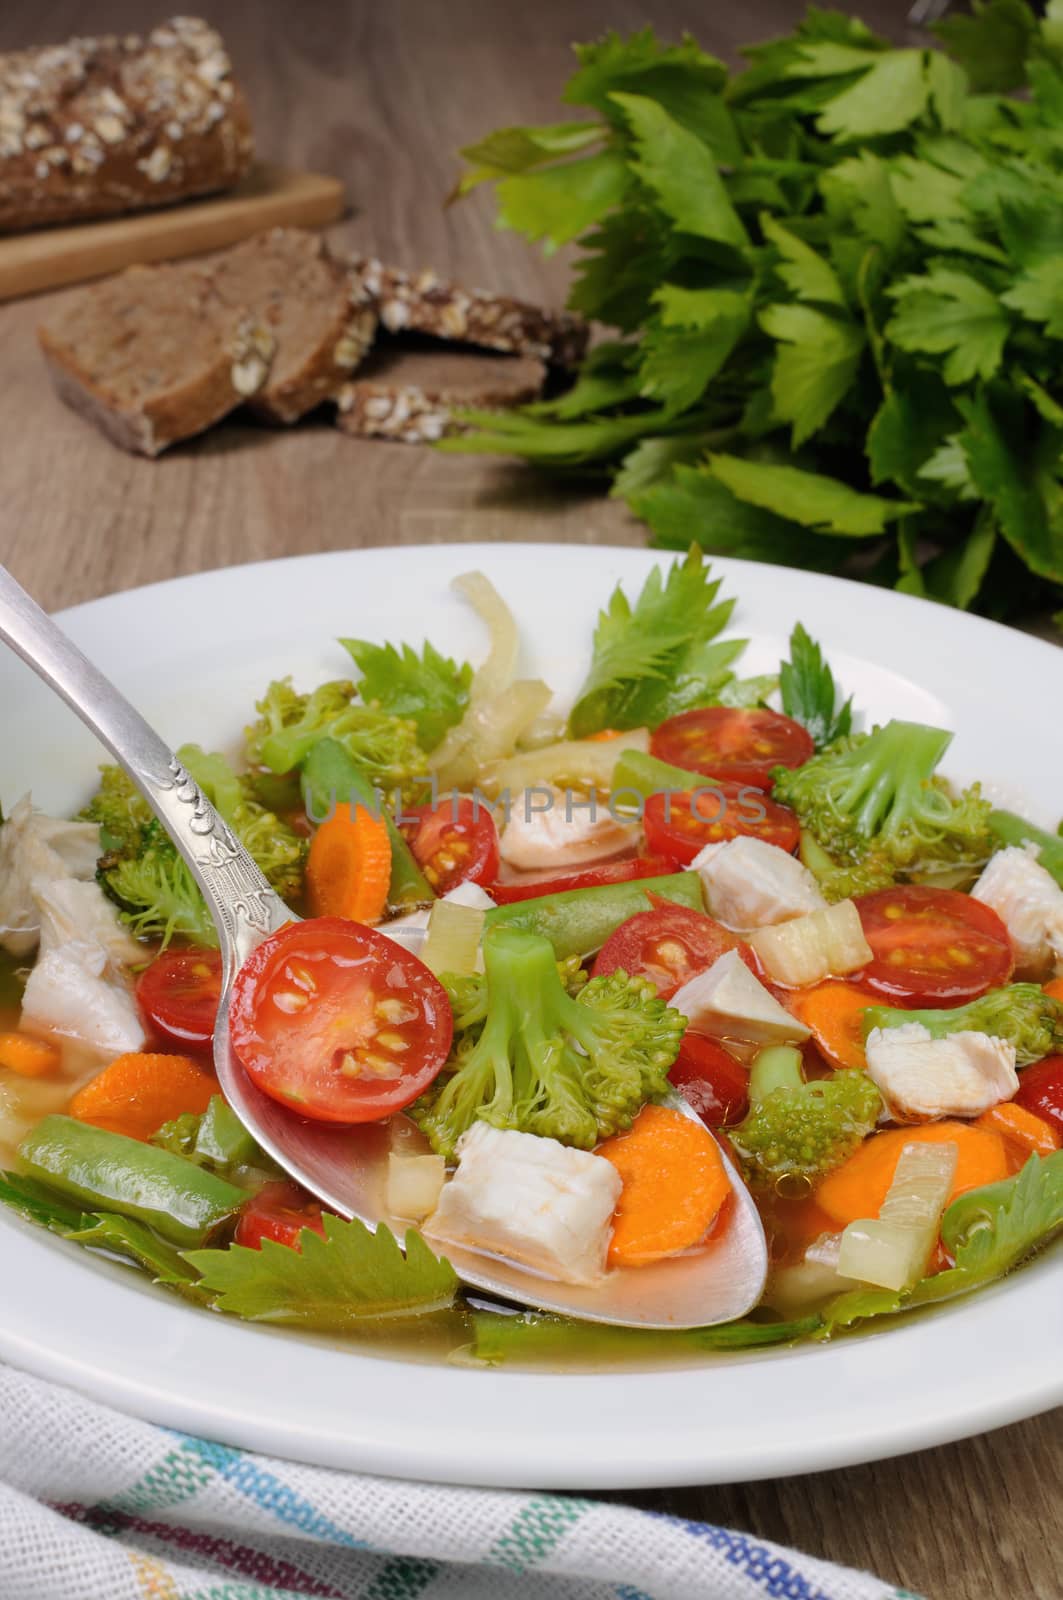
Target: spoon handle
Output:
[(243, 905)]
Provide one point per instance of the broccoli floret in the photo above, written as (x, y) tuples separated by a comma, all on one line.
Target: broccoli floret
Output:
[(799, 1130), (872, 802), (841, 880), (467, 992), (142, 871), (156, 892), (574, 1069), (120, 810), (1021, 1013), (290, 724), (277, 848)]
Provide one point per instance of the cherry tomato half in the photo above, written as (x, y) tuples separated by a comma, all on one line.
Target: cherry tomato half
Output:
[(454, 842), (339, 1022), (278, 1211), (668, 945), (681, 825), (1041, 1091), (505, 894), (741, 745), (932, 947), (710, 1080), (178, 995)]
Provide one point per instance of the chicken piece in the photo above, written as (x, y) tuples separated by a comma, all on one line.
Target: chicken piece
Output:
[(530, 1200), (549, 828), (728, 1002), (1029, 902), (68, 992), (71, 911), (923, 1079), (33, 848), (749, 883)]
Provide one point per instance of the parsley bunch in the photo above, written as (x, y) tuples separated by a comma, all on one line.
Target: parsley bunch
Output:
[(835, 277)]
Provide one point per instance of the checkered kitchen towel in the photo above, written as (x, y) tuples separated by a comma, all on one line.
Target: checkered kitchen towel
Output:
[(97, 1506)]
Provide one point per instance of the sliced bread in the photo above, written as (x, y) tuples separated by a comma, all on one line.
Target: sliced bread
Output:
[(155, 355), (409, 391), (321, 319), (422, 302)]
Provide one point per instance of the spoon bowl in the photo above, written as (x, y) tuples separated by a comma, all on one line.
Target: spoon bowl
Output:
[(346, 1168)]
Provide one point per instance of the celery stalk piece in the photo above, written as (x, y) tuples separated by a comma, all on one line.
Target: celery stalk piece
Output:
[(452, 943), (892, 1250)]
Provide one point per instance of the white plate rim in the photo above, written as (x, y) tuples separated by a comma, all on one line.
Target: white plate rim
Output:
[(153, 1356)]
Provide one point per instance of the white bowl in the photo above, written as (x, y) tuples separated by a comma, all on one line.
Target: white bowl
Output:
[(193, 654)]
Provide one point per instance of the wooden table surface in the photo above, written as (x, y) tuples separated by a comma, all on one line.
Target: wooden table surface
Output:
[(383, 95)]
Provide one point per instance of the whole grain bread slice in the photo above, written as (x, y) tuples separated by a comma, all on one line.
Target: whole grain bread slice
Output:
[(155, 355), (408, 391), (319, 314), (422, 302)]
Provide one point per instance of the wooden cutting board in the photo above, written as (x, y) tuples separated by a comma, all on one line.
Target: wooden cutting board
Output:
[(267, 197)]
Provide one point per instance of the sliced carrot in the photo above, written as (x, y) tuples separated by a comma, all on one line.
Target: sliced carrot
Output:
[(1022, 1131), (138, 1092), (858, 1188), (29, 1057), (1054, 989), (604, 735), (349, 866), (835, 1013), (674, 1185)]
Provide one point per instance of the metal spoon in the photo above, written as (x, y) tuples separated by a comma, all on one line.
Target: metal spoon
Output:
[(346, 1167)]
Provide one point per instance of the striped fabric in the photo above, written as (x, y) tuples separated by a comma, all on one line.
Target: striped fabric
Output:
[(97, 1506)]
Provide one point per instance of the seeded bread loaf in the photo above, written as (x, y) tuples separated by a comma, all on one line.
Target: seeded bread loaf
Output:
[(100, 126), (408, 392), (318, 313), (154, 355), (423, 303)]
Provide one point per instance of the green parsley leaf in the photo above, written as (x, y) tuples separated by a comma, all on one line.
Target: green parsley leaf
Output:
[(805, 273), (1038, 295), (950, 313), (329, 1283), (430, 689), (809, 694), (992, 43), (692, 504), (1015, 471), (859, 193), (607, 378), (510, 150), (699, 329), (744, 692), (914, 419), (651, 462), (890, 95), (641, 64), (947, 465), (807, 497), (814, 367), (987, 1231), (557, 204), (646, 654), (681, 172), (957, 575)]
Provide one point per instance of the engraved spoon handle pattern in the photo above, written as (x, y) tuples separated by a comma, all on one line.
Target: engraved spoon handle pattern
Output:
[(241, 902)]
